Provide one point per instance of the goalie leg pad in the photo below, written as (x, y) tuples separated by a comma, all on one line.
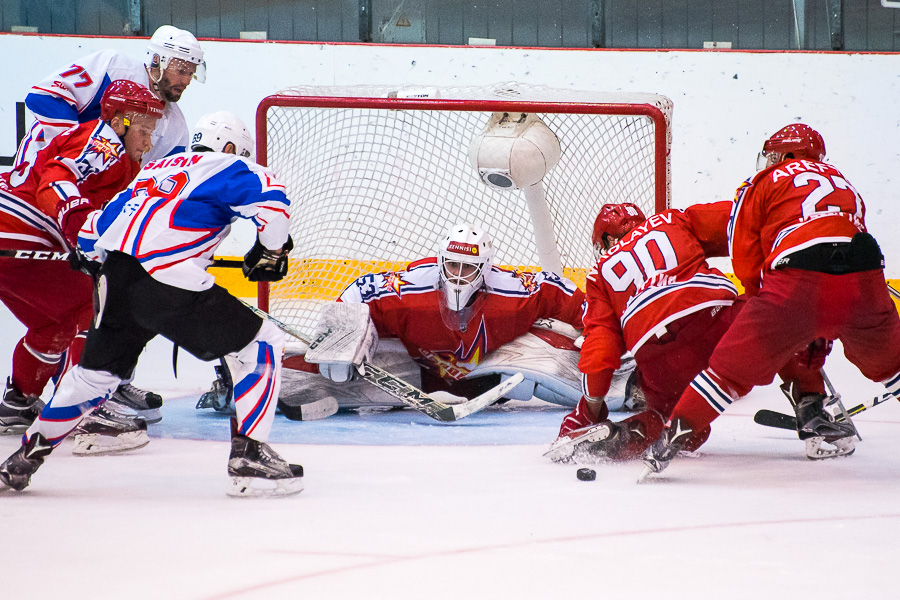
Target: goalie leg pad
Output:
[(256, 371)]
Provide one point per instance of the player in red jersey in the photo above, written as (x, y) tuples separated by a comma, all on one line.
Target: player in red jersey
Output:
[(454, 314), (42, 207), (798, 243), (653, 294)]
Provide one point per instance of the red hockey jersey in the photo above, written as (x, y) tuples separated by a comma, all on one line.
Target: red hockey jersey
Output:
[(406, 305), (656, 274), (88, 161), (788, 207)]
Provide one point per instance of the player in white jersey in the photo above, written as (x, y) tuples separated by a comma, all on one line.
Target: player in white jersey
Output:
[(72, 95), (156, 239)]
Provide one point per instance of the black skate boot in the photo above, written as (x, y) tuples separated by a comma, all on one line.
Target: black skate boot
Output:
[(145, 404), (219, 396), (658, 456), (257, 470), (107, 431), (16, 471), (816, 426), (635, 401), (18, 411)]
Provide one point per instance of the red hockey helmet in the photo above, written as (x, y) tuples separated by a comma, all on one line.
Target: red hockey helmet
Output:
[(129, 97), (614, 221), (798, 139)]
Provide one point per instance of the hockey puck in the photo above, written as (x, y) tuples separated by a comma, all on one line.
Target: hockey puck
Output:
[(585, 474)]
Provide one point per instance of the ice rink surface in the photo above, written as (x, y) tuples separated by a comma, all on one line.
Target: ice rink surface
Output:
[(398, 506)]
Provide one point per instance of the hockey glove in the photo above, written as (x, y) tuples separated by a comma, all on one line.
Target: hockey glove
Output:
[(79, 261), (71, 214), (262, 264), (581, 417)]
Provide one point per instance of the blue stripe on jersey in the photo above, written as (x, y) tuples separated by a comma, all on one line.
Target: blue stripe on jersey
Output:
[(178, 249), (715, 396), (92, 110), (17, 207), (208, 208), (51, 107), (176, 150)]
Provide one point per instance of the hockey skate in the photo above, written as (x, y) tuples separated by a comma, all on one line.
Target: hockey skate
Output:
[(658, 456), (18, 411), (219, 396), (635, 401), (16, 471), (816, 426), (108, 431), (256, 470), (145, 404)]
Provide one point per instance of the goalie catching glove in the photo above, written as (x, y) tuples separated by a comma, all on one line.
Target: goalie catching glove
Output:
[(262, 264), (345, 337)]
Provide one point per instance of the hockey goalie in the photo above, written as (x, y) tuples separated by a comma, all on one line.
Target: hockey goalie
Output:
[(454, 325)]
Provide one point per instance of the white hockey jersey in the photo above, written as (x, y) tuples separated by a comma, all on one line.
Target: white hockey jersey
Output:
[(72, 96), (179, 209)]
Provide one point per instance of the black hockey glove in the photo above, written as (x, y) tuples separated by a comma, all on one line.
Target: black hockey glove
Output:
[(79, 261), (262, 264)]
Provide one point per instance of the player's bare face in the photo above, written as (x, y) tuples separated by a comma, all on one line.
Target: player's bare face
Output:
[(175, 79), (138, 137)]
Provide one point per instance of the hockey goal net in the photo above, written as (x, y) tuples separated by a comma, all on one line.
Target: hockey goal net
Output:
[(376, 175)]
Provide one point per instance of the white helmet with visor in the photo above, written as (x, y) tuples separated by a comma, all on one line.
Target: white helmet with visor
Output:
[(466, 255)]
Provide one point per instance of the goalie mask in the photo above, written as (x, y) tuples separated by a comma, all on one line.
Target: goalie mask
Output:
[(465, 256), (612, 223), (216, 130), (172, 44), (799, 140)]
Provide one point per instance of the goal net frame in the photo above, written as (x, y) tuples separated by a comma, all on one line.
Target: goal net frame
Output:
[(656, 108)]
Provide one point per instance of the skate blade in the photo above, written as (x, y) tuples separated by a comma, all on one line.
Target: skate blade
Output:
[(151, 415), (12, 429), (94, 444), (816, 451), (645, 473), (565, 450), (258, 487)]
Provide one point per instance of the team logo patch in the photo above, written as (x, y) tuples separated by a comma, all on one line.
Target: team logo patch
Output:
[(105, 147), (458, 363), (529, 280), (461, 248), (394, 282)]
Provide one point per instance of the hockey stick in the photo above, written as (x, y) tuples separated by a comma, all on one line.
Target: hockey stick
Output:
[(893, 292), (771, 418), (64, 256), (406, 393)]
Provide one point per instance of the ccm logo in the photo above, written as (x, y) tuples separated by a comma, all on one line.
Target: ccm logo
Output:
[(42, 255)]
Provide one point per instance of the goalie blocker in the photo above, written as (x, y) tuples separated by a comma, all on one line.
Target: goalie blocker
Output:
[(345, 338)]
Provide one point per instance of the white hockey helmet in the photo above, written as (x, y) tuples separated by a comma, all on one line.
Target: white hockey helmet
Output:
[(170, 43), (216, 130), (465, 255)]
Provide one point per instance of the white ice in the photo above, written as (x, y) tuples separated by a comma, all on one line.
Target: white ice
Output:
[(397, 506)]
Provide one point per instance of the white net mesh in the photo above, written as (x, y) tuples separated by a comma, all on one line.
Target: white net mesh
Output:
[(373, 187)]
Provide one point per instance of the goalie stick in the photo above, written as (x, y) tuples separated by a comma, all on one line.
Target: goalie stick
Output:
[(406, 393), (771, 418), (61, 255)]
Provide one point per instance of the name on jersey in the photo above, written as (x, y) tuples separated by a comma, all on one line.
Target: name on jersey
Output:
[(799, 166), (652, 223), (175, 161)]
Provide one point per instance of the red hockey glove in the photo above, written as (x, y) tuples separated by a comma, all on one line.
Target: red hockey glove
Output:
[(813, 356), (581, 417), (71, 215)]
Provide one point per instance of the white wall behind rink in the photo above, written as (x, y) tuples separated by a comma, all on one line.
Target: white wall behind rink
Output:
[(726, 103)]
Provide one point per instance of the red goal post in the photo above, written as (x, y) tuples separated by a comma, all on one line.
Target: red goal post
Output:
[(376, 174)]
